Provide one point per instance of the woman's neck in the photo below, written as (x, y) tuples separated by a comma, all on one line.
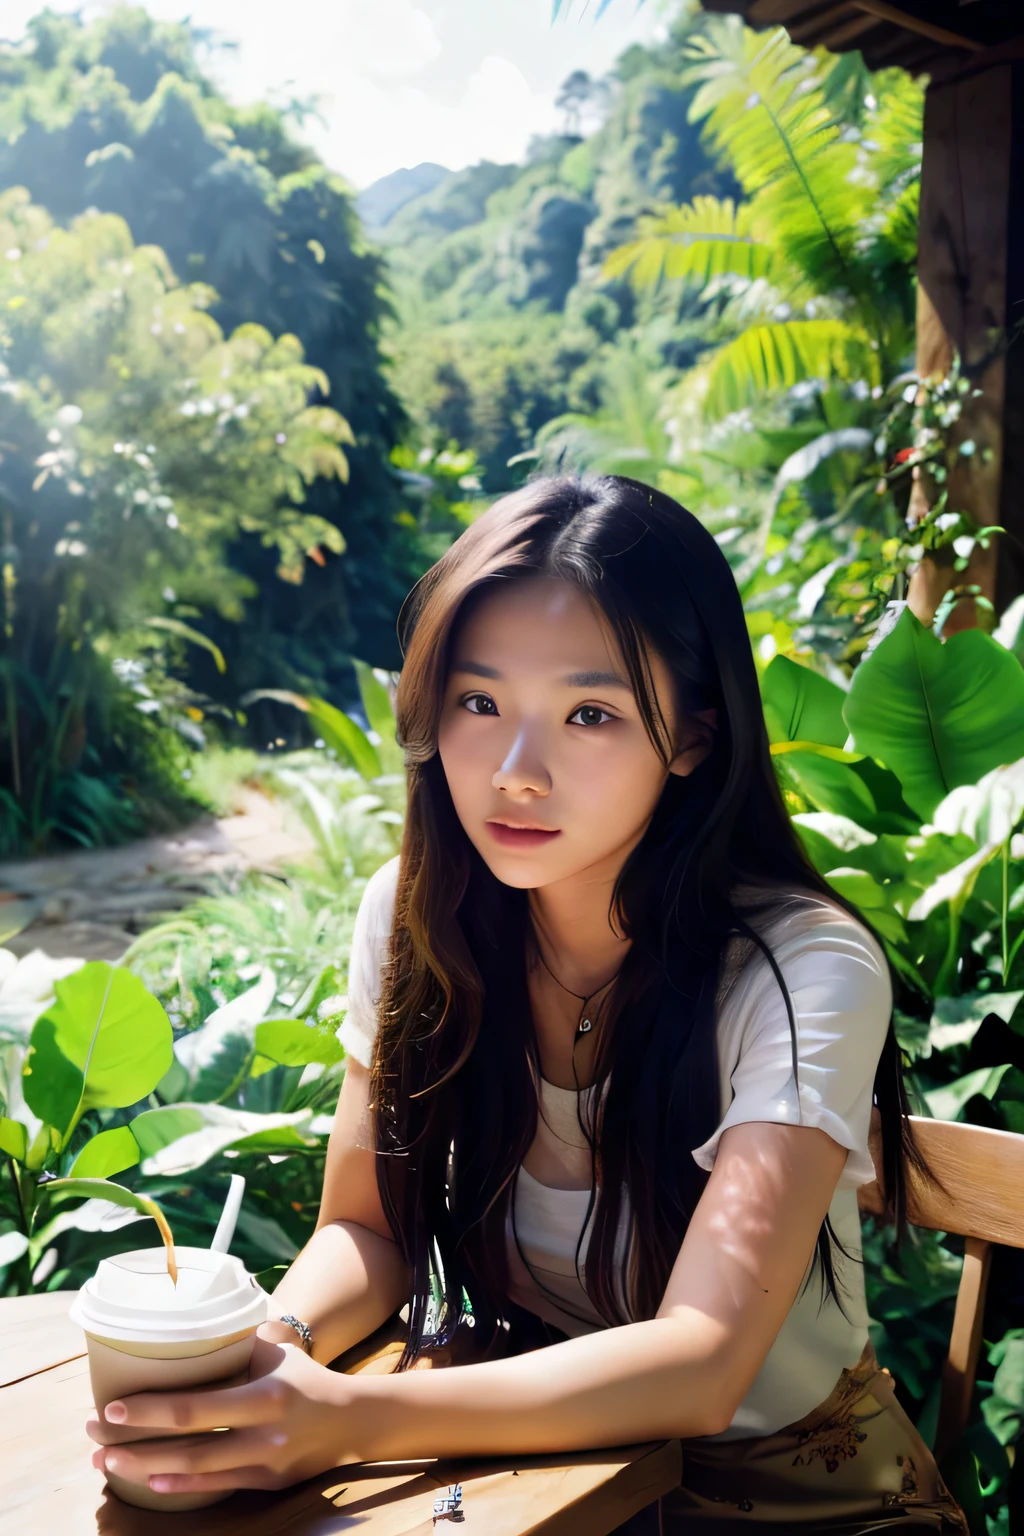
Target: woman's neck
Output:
[(575, 931)]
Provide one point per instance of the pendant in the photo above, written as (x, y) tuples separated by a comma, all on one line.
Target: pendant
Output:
[(584, 1028)]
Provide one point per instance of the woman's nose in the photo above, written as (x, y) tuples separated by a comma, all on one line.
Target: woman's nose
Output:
[(523, 766)]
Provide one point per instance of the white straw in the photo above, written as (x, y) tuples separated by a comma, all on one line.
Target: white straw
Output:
[(229, 1215)]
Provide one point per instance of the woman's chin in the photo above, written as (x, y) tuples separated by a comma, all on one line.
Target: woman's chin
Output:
[(523, 869)]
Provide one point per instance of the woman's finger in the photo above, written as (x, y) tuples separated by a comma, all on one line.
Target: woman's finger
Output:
[(135, 1468), (191, 1455), (256, 1402), (210, 1482), (102, 1433)]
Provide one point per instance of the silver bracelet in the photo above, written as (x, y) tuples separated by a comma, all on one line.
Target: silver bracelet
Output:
[(301, 1329)]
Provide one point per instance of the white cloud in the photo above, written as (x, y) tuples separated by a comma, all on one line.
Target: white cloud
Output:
[(390, 39), (318, 43), (400, 81), (373, 130)]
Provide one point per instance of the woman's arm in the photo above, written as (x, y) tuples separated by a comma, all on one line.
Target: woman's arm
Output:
[(684, 1373), (350, 1277)]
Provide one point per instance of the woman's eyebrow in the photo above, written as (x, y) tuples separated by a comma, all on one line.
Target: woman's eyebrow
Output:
[(574, 680)]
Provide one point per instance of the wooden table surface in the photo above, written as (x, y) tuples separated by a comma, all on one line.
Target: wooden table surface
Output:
[(48, 1486)]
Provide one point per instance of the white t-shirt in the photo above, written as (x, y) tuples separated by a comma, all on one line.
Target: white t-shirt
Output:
[(841, 993)]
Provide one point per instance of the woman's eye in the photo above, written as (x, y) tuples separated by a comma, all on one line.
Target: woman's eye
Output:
[(592, 709), (484, 705)]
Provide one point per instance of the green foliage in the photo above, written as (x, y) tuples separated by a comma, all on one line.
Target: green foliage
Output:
[(239, 1057), (940, 715), (700, 240), (801, 292), (140, 445), (504, 319), (108, 1153), (340, 733), (942, 886), (820, 188), (714, 292), (776, 356), (801, 705), (104, 1042), (277, 478), (219, 775), (624, 436)]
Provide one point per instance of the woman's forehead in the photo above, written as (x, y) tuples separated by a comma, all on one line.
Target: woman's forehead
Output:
[(537, 617), (545, 625)]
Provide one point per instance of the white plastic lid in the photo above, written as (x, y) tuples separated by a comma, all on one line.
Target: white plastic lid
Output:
[(131, 1297)]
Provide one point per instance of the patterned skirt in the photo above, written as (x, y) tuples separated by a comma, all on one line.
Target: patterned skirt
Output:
[(855, 1465)]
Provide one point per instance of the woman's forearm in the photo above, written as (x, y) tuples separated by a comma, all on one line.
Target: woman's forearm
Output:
[(642, 1381), (343, 1285)]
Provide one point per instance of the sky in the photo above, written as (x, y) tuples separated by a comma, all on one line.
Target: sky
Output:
[(402, 81)]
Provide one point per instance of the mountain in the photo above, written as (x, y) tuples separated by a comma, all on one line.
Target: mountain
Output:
[(383, 198), (504, 318)]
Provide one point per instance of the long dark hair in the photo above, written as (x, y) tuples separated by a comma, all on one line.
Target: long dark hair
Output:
[(456, 1064)]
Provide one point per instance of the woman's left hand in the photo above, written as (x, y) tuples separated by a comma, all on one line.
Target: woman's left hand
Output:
[(292, 1419)]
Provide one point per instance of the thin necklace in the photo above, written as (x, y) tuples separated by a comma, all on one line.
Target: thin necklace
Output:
[(585, 1025)]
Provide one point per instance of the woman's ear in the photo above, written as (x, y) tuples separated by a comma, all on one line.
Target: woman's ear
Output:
[(697, 739)]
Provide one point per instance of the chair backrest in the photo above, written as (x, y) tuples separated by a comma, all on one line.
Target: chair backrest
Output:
[(979, 1195)]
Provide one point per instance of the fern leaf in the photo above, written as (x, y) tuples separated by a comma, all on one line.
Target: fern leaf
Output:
[(700, 240), (777, 356), (765, 110)]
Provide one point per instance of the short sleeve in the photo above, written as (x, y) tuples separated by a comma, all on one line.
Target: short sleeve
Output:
[(358, 1031), (841, 991)]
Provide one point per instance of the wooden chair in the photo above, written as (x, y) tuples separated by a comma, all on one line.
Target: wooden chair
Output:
[(982, 1200)]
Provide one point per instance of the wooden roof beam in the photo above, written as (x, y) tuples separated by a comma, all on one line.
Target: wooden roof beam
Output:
[(836, 29), (764, 12), (909, 23)]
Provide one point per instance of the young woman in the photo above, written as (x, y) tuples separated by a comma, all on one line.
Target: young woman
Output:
[(613, 1049)]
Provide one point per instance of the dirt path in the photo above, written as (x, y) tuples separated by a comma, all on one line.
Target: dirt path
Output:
[(93, 902)]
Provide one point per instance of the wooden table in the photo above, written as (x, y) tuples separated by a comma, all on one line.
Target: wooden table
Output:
[(48, 1486)]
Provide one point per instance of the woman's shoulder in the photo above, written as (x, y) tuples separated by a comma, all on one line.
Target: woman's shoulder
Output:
[(377, 903), (806, 1052), (369, 935), (787, 917), (815, 942)]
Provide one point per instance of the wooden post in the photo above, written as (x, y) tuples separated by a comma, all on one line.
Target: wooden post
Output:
[(961, 1365), (970, 293)]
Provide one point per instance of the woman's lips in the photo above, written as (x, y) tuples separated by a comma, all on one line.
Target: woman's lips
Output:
[(519, 837)]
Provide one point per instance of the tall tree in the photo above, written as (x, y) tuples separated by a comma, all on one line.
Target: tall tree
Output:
[(118, 115), (139, 445)]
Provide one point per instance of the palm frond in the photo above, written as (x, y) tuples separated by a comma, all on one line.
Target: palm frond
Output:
[(894, 128), (707, 238), (846, 81), (777, 356), (626, 436), (899, 229), (765, 110), (742, 76)]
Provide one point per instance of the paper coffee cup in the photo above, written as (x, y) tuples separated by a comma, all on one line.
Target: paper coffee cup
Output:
[(147, 1335)]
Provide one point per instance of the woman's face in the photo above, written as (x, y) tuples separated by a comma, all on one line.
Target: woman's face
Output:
[(539, 726)]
